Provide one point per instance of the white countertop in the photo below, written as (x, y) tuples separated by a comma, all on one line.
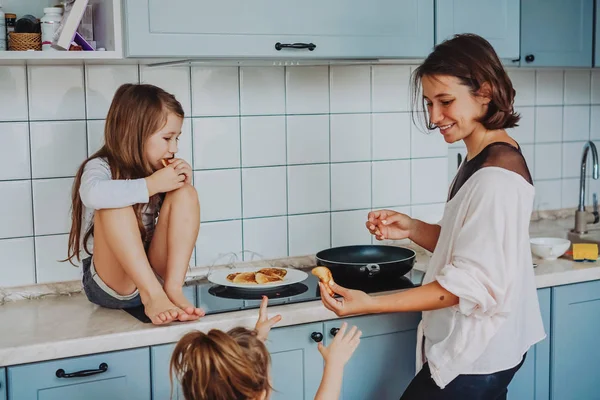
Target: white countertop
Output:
[(66, 326)]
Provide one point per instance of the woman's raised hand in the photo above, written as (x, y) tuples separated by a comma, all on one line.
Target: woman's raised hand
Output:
[(388, 224)]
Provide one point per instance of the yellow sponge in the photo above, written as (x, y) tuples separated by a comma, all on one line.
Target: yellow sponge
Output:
[(585, 251)]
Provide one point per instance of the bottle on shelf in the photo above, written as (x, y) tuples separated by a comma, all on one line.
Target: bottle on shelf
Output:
[(49, 25)]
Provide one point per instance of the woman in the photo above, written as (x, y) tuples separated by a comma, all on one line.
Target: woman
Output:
[(478, 297)]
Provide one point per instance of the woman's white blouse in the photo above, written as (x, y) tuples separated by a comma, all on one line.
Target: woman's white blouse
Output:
[(483, 256)]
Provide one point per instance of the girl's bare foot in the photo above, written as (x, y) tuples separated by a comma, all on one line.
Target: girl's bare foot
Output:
[(161, 310), (176, 295)]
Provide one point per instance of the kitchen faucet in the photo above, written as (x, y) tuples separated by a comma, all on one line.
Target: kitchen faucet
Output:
[(582, 218)]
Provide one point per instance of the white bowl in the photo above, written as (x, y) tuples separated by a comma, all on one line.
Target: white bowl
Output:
[(549, 248)]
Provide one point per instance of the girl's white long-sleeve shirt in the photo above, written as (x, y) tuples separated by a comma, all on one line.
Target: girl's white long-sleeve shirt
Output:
[(483, 257), (99, 191)]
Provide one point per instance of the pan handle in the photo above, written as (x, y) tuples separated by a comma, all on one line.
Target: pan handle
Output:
[(372, 269)]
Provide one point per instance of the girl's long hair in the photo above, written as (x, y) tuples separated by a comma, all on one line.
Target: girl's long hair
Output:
[(137, 111), (221, 366)]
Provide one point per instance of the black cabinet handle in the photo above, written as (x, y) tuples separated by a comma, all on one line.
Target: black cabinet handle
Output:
[(60, 373), (309, 46), (316, 336), (334, 331), (529, 58)]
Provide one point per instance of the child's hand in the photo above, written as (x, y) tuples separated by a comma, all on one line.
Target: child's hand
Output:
[(182, 167), (165, 180), (342, 347), (264, 325)]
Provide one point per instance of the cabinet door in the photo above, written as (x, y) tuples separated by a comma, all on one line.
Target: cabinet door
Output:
[(495, 20), (123, 375), (160, 358), (384, 363), (557, 33), (575, 355), (239, 28), (296, 364), (532, 381), (2, 384)]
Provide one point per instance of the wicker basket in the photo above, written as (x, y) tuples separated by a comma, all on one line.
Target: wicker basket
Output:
[(24, 41)]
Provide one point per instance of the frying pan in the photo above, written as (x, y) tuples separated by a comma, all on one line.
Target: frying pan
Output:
[(367, 261)]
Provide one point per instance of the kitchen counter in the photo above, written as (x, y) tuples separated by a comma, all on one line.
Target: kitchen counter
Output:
[(69, 325)]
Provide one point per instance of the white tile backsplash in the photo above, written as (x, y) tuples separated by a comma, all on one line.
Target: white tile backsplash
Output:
[(350, 186), (577, 87), (216, 142), (13, 93), (263, 141), (101, 83), (307, 139), (320, 147), (265, 238), (57, 148), (217, 240), (264, 191), (215, 91), (576, 123), (390, 86), (391, 183), (49, 250), (391, 135), (220, 193), (307, 90), (309, 233), (308, 188), (15, 202), (350, 89), (56, 93), (15, 151), (95, 135), (18, 262), (350, 137), (262, 90), (51, 205), (548, 124), (549, 87)]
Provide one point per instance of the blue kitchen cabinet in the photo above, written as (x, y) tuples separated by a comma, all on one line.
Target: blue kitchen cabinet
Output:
[(384, 363), (495, 20), (160, 358), (123, 375), (296, 364), (557, 33), (597, 39), (575, 357), (532, 381), (239, 28), (2, 384)]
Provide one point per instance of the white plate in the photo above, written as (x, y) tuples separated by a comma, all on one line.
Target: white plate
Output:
[(219, 277)]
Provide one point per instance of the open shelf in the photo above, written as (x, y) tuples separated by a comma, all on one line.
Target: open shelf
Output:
[(107, 32)]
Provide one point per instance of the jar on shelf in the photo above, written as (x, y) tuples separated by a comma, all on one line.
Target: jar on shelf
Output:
[(49, 25)]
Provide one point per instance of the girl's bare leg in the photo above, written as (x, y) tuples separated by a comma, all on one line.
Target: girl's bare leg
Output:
[(121, 262), (173, 243)]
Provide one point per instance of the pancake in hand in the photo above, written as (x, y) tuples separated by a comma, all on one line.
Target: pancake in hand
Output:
[(324, 275), (274, 272), (267, 278)]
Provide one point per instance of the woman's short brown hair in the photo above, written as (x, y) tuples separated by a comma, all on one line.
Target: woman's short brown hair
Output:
[(472, 60), (221, 366)]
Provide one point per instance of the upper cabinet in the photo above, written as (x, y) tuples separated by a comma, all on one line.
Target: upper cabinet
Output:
[(495, 20), (557, 33), (310, 29)]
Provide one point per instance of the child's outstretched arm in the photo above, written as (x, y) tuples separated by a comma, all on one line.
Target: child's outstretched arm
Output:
[(336, 356), (264, 324)]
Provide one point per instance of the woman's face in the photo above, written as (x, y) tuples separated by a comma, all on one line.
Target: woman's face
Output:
[(452, 107)]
